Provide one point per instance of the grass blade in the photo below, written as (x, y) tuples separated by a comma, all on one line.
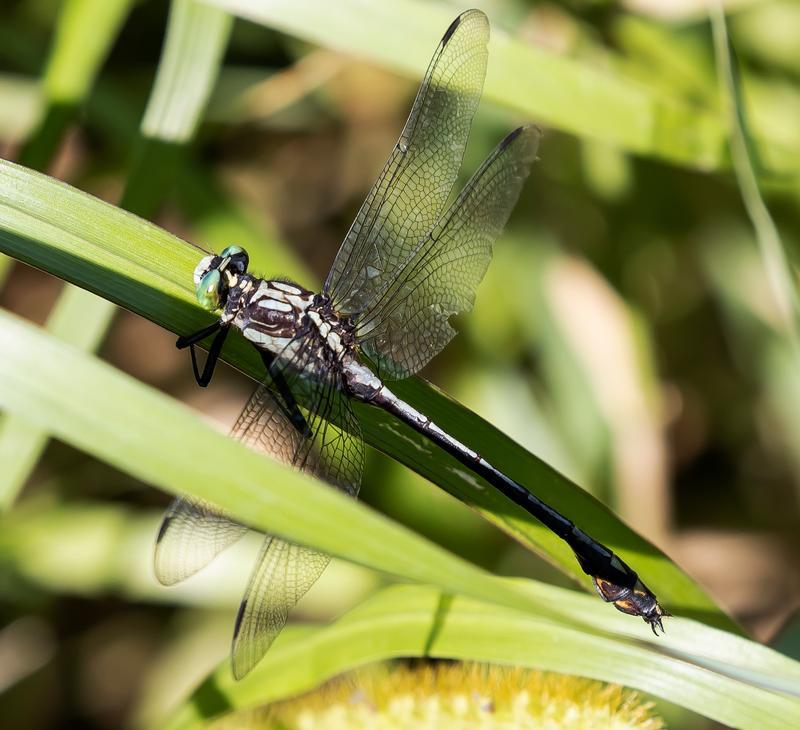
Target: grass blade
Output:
[(772, 252), (85, 32), (197, 35), (405, 621)]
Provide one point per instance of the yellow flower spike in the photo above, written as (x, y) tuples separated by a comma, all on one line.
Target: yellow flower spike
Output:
[(468, 696)]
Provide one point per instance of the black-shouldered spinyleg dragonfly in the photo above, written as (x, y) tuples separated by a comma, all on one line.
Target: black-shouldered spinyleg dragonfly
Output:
[(407, 264)]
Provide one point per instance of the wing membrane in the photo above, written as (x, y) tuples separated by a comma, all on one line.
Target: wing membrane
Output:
[(192, 534), (284, 572), (409, 324), (413, 188), (322, 439)]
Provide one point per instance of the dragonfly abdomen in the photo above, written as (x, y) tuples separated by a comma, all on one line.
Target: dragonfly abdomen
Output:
[(615, 581)]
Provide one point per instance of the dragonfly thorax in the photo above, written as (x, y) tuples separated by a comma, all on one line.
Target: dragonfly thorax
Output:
[(278, 316), (337, 333), (269, 313)]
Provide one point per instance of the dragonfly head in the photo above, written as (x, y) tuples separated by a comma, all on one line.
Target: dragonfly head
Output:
[(214, 275)]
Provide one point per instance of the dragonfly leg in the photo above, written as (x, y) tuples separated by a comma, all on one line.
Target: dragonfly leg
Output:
[(204, 378), (286, 402), (198, 336)]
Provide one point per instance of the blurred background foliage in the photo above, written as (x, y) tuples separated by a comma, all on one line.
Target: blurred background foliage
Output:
[(627, 332)]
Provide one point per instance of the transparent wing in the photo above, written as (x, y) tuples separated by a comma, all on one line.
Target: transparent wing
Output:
[(331, 448), (284, 572), (192, 534), (414, 185), (409, 324), (192, 531)]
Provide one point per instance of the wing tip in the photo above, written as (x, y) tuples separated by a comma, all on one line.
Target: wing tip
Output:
[(532, 130), (239, 617), (163, 529), (467, 15), (162, 574), (240, 668), (448, 34), (532, 134)]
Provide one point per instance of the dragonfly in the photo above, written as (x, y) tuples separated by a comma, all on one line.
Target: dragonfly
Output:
[(408, 263)]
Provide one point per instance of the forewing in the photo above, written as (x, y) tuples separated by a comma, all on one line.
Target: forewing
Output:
[(409, 324), (414, 185), (332, 450)]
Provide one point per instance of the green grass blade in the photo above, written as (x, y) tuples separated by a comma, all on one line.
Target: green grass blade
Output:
[(98, 409), (197, 35), (570, 95), (781, 280), (404, 621), (85, 32), (142, 268), (94, 407)]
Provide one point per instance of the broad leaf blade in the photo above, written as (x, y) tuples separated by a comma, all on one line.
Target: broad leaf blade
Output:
[(405, 621)]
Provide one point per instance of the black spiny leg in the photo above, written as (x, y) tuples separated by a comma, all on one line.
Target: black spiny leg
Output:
[(204, 378), (198, 336), (286, 402)]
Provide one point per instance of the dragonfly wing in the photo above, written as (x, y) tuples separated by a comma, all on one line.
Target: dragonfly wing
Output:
[(283, 573), (194, 532), (412, 189), (409, 324), (330, 447)]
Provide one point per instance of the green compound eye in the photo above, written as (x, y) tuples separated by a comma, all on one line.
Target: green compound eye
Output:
[(231, 251), (236, 258), (208, 290)]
